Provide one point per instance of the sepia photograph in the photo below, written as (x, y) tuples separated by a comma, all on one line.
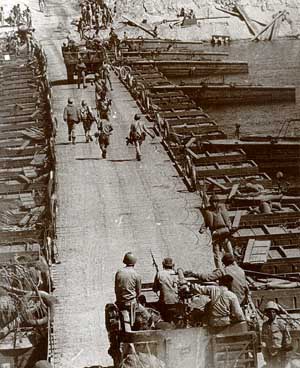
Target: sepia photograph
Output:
[(149, 183)]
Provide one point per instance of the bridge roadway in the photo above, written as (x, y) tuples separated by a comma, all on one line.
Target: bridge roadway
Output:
[(108, 207)]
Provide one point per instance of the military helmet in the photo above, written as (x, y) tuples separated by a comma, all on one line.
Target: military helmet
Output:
[(271, 305), (168, 262), (70, 100), (83, 103), (129, 259), (137, 117)]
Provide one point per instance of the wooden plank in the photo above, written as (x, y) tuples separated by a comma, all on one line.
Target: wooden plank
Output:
[(237, 218), (257, 251), (245, 17), (268, 25)]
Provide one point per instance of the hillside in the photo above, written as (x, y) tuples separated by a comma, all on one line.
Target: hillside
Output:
[(153, 12)]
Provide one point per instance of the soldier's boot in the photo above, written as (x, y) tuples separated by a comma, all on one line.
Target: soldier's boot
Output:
[(70, 138), (138, 157), (104, 153), (90, 138), (87, 139), (73, 140)]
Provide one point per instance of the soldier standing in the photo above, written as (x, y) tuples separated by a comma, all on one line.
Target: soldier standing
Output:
[(128, 284), (105, 74), (80, 69), (276, 338), (137, 135), (87, 118), (216, 218), (166, 283), (71, 117)]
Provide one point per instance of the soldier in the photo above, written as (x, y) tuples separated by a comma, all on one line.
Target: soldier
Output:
[(105, 74), (128, 284), (71, 117), (168, 283), (87, 118), (216, 218), (276, 339), (104, 132), (224, 308), (239, 285), (137, 135), (80, 69)]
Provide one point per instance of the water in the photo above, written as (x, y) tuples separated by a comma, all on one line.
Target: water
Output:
[(275, 63)]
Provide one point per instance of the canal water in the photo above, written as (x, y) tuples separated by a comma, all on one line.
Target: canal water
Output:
[(275, 63)]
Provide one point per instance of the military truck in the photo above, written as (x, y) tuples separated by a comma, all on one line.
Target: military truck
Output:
[(186, 346), (92, 54)]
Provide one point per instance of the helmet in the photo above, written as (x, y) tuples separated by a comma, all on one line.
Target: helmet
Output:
[(70, 100), (168, 262), (97, 75), (271, 305), (137, 117), (228, 258), (129, 259), (83, 103)]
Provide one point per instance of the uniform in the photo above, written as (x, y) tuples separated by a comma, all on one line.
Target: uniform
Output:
[(166, 283), (224, 308), (128, 284), (276, 337), (72, 117), (105, 75), (105, 130), (137, 135), (218, 221), (81, 69), (87, 118), (239, 284)]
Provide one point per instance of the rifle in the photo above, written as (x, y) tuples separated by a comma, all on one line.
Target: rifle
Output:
[(154, 261)]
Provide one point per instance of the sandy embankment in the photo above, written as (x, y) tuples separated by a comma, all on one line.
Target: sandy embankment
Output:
[(155, 11)]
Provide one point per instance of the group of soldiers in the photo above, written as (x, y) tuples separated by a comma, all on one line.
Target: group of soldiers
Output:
[(218, 300), (73, 114), (17, 16), (95, 15)]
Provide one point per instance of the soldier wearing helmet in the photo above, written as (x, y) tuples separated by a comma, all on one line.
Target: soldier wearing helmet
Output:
[(167, 283), (137, 135), (128, 284), (71, 116), (87, 119), (216, 218), (276, 339)]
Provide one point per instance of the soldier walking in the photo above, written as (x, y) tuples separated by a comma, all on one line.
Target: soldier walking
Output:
[(71, 117), (137, 135), (105, 74), (104, 132), (87, 118)]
